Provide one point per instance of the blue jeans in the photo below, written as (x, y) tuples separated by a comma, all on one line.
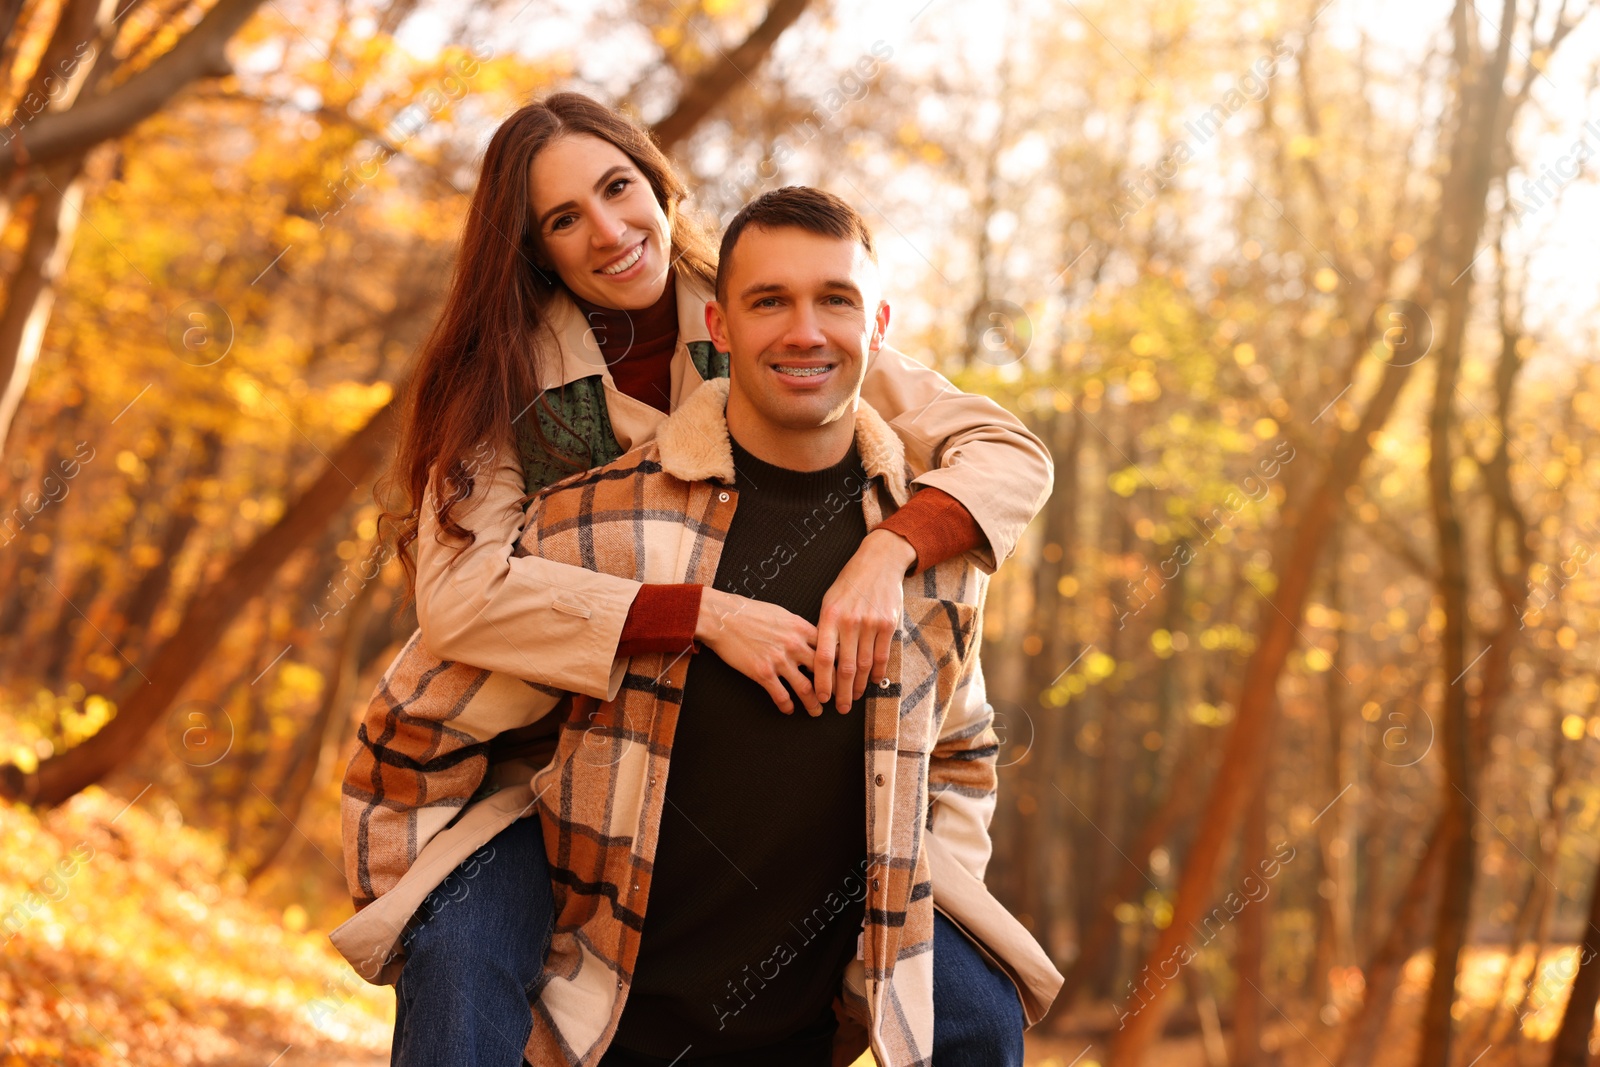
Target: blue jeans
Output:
[(977, 1017), (476, 950)]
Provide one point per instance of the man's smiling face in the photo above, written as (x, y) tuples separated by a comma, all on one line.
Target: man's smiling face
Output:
[(800, 317)]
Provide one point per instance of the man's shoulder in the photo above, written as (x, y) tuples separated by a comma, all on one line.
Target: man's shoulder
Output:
[(622, 518), (623, 478)]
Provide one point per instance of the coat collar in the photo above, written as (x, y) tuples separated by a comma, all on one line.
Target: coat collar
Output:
[(694, 445), (579, 352)]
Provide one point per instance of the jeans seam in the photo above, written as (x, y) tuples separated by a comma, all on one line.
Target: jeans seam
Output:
[(537, 982)]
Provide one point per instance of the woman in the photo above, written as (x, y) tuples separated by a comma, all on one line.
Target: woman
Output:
[(574, 323)]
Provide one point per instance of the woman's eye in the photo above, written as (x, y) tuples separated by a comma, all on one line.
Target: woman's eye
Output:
[(560, 223), (620, 184)]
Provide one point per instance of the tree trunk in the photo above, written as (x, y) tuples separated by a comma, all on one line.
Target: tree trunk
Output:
[(151, 589), (9, 10), (1549, 899), (708, 88), (251, 737), (57, 653), (1249, 1006), (60, 77), (1039, 735), (1449, 933), (331, 712), (32, 292), (1101, 929), (1455, 903), (1052, 738), (1529, 933), (204, 621), (1211, 1039), (1383, 971), (1456, 728), (1335, 914), (1571, 1048)]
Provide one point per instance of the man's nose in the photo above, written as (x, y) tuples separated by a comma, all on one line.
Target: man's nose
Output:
[(804, 330)]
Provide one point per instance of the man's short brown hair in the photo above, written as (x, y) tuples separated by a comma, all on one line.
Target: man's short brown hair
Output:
[(814, 210)]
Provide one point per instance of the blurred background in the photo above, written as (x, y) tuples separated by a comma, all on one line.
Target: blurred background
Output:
[(1296, 674)]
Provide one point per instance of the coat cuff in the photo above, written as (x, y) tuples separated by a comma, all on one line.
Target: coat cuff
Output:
[(938, 526), (661, 619)]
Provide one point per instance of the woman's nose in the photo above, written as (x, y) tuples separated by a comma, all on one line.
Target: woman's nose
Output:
[(608, 230)]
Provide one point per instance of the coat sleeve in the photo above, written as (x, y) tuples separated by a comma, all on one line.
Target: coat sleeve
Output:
[(548, 623), (967, 445)]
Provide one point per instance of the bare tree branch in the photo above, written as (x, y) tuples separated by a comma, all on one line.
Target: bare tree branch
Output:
[(711, 85), (200, 54)]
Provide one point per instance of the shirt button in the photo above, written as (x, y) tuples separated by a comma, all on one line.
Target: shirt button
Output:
[(879, 779), (884, 684), (874, 885), (722, 497)]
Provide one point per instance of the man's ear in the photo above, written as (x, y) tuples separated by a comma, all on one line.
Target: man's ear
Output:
[(880, 327), (717, 326)]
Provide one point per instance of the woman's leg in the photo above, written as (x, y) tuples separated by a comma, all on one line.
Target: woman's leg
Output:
[(462, 997), (977, 1017)]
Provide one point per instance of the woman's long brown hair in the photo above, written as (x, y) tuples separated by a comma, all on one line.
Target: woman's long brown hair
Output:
[(481, 364)]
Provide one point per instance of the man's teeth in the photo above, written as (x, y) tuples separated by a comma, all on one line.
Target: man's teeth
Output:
[(802, 372), (633, 258)]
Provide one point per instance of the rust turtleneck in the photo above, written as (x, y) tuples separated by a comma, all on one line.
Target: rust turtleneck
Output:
[(638, 345)]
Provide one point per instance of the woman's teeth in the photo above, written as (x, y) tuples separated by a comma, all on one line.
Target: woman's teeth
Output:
[(633, 257), (802, 372)]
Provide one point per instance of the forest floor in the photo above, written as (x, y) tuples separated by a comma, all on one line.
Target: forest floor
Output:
[(120, 944), (121, 947)]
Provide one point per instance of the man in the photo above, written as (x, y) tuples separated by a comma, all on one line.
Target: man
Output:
[(776, 875)]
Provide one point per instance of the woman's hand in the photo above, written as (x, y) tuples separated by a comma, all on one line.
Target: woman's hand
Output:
[(859, 614), (761, 641)]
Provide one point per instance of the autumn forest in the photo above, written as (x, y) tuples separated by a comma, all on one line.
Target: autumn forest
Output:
[(1296, 676)]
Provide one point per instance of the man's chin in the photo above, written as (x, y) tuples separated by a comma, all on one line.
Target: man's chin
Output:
[(796, 412), (812, 413)]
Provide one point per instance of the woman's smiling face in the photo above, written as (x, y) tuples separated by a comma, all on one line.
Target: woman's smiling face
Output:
[(599, 222)]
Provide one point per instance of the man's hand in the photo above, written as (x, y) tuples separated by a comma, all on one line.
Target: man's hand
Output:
[(859, 616), (761, 641)]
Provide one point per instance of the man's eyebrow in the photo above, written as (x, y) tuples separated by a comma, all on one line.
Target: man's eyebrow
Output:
[(843, 285), (605, 180), (761, 289)]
